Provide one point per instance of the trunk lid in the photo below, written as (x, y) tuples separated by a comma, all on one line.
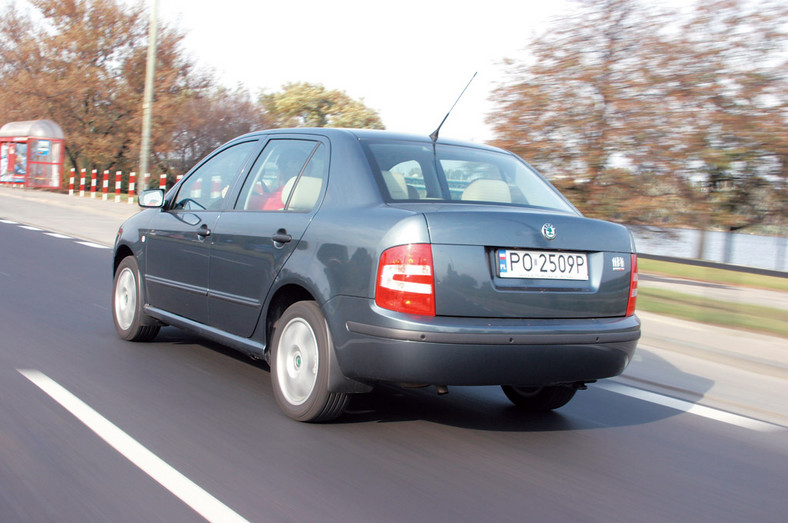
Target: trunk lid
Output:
[(469, 244)]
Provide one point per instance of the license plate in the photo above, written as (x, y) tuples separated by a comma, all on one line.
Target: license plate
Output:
[(548, 265)]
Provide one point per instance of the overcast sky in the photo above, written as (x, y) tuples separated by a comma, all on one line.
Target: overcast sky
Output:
[(408, 60)]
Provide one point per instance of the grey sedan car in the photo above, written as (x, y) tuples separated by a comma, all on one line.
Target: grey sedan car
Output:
[(346, 258)]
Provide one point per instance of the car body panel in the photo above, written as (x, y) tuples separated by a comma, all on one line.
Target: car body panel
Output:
[(177, 258), (377, 344), (245, 259)]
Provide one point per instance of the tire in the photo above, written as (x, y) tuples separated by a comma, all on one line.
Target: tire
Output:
[(539, 399), (299, 365), (131, 322)]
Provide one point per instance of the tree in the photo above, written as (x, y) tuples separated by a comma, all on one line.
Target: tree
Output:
[(82, 64), (724, 86), (65, 69), (312, 105), (579, 103), (647, 117), (206, 122)]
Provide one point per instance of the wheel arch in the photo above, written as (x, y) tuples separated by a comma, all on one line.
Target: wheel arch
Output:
[(121, 252), (283, 298)]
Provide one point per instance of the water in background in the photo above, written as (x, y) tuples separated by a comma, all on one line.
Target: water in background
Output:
[(765, 252)]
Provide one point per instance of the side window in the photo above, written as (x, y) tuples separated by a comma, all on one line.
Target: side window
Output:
[(288, 175), (206, 187)]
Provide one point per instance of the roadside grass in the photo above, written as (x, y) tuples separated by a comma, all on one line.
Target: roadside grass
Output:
[(713, 275), (743, 316)]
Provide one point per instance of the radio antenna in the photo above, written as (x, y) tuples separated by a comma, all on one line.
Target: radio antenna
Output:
[(434, 134)]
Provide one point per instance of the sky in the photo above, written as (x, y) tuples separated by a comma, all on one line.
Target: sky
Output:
[(408, 60)]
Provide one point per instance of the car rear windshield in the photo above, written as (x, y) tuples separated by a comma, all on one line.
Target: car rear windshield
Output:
[(409, 171)]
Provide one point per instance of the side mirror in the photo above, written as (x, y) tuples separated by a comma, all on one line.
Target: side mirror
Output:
[(151, 198)]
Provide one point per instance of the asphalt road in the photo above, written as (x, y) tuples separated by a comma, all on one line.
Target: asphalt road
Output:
[(224, 450)]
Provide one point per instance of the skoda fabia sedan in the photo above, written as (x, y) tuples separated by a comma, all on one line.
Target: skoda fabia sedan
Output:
[(345, 258)]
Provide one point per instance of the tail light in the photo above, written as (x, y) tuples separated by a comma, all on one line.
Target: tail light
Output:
[(405, 280), (633, 286)]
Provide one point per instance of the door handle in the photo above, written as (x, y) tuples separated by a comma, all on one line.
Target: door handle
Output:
[(203, 231), (281, 236)]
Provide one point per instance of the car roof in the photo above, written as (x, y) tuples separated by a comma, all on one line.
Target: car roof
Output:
[(366, 134)]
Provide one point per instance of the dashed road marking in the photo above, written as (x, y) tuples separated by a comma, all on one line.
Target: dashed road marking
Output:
[(182, 487), (55, 234), (93, 245), (58, 235)]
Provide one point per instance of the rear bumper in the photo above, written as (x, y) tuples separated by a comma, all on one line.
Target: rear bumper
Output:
[(374, 344)]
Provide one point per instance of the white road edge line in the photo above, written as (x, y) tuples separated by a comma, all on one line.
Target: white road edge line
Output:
[(9, 222), (58, 235), (30, 228), (182, 487), (689, 407)]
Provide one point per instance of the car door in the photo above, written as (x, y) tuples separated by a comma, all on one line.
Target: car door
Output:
[(252, 242), (179, 241)]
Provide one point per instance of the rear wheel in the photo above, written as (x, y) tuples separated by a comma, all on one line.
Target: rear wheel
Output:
[(539, 399), (299, 365), (131, 322)]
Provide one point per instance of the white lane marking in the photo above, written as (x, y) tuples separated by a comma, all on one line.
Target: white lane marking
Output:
[(30, 228), (58, 235), (94, 245), (182, 487), (689, 407), (9, 222)]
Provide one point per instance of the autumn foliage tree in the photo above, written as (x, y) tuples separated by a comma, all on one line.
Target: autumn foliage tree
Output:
[(82, 64), (312, 105), (655, 117), (723, 80), (68, 68), (208, 120)]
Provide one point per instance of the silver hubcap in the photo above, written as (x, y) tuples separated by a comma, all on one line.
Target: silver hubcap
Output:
[(297, 361), (126, 298)]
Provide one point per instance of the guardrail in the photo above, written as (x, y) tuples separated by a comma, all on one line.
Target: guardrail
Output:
[(716, 265)]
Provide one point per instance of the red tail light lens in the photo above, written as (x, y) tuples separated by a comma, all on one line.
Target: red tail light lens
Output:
[(405, 280), (633, 286)]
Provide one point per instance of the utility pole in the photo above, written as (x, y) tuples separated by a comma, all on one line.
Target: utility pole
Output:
[(147, 103)]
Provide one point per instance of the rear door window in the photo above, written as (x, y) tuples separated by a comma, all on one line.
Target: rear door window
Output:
[(287, 176)]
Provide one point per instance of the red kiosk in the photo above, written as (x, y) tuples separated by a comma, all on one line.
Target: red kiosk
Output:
[(31, 154)]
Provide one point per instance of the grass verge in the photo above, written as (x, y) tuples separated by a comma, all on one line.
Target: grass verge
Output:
[(755, 318)]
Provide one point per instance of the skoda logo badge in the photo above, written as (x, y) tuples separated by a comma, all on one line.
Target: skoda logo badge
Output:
[(548, 231)]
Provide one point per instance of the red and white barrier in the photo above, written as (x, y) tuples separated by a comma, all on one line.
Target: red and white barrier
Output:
[(132, 183), (92, 181), (118, 180)]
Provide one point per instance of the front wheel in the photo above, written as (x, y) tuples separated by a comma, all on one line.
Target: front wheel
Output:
[(539, 399), (299, 365), (131, 322)]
